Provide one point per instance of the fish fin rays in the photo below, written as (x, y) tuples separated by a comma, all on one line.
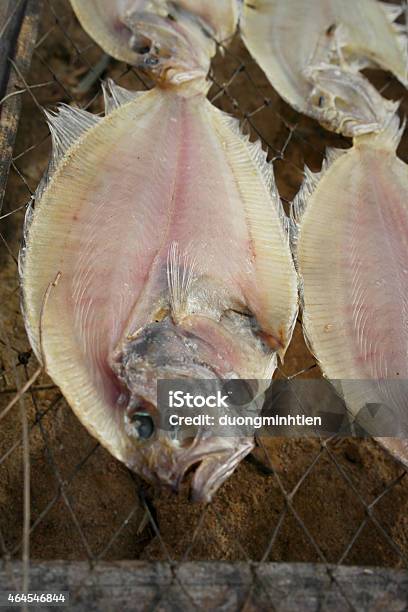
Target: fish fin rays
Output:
[(67, 125), (259, 156), (181, 274), (311, 181), (308, 187), (115, 96), (268, 228)]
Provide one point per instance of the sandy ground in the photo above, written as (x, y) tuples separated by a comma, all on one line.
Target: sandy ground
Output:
[(100, 496)]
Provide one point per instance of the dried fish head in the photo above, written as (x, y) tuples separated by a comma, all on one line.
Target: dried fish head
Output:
[(163, 227), (201, 337), (292, 40), (206, 353), (105, 22), (348, 101), (173, 41), (173, 47)]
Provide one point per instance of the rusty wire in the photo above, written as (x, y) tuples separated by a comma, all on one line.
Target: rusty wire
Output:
[(33, 385)]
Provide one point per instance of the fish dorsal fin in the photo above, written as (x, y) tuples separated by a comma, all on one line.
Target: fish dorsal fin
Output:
[(115, 96), (260, 158), (310, 182), (67, 125), (307, 188), (181, 273)]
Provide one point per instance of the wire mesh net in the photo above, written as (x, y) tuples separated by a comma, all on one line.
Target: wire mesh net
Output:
[(62, 496)]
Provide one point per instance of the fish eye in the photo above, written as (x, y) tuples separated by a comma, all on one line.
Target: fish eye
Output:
[(143, 425), (140, 44)]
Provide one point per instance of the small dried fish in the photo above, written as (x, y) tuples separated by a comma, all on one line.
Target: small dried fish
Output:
[(352, 255), (296, 41), (163, 231), (150, 32)]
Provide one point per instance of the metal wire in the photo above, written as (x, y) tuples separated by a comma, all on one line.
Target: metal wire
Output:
[(240, 93)]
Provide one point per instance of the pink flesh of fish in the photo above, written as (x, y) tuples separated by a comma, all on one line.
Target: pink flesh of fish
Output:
[(183, 170)]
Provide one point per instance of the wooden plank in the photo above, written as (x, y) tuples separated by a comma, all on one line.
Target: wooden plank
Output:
[(11, 15), (19, 23), (284, 587)]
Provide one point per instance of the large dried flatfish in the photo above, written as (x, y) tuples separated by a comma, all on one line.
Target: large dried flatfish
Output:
[(352, 256), (163, 231), (293, 41)]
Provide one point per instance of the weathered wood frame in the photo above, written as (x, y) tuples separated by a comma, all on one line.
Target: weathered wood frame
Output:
[(286, 587), (19, 23)]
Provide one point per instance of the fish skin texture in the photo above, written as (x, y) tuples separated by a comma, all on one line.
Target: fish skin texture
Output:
[(351, 251), (104, 22), (220, 16), (288, 39), (161, 173)]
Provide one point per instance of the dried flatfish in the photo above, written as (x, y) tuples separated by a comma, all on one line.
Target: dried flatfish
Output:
[(157, 249), (293, 41), (352, 255)]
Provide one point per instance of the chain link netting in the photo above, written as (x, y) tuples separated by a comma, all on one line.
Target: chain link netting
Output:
[(62, 496)]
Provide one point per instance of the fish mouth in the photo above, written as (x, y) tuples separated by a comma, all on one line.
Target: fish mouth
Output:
[(214, 470), (214, 459)]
